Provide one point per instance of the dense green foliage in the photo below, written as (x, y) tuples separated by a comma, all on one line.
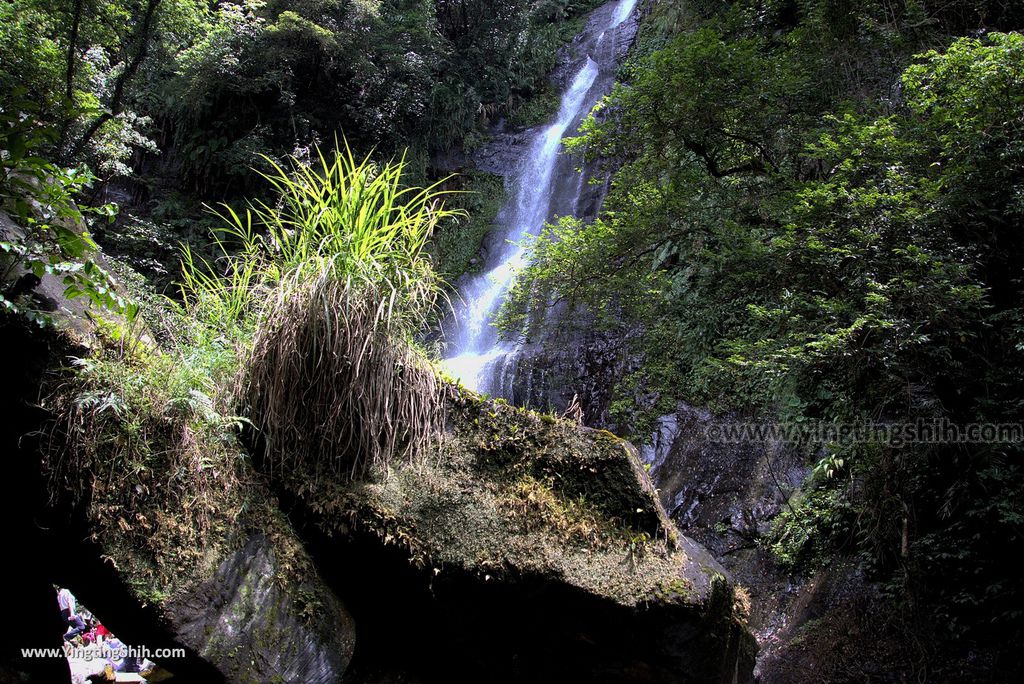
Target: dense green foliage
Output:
[(810, 222), (203, 89), (814, 216), (170, 103), (346, 220), (177, 101), (457, 243), (47, 236)]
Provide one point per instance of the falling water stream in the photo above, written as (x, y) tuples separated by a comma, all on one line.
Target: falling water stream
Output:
[(475, 351)]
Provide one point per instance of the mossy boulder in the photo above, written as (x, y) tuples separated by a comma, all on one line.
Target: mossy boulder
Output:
[(540, 549), (150, 512), (184, 533)]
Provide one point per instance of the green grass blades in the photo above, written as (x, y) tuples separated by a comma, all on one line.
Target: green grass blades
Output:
[(325, 287)]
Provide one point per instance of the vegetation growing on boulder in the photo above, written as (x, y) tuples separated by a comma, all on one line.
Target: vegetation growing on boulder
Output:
[(509, 494), (145, 446), (147, 435), (334, 376)]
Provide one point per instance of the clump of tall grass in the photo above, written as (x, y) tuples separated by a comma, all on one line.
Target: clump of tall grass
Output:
[(356, 220), (334, 279)]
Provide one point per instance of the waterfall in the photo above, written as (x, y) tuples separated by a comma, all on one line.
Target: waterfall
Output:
[(476, 355)]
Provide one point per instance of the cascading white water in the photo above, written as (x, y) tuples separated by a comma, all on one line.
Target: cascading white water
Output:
[(622, 12), (473, 345)]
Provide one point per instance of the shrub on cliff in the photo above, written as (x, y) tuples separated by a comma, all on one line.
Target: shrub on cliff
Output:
[(306, 330), (323, 300)]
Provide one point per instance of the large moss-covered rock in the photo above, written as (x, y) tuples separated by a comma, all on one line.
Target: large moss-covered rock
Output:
[(527, 548), (194, 540), (153, 518)]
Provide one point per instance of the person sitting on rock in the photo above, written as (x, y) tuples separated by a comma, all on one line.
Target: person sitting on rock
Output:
[(89, 635)]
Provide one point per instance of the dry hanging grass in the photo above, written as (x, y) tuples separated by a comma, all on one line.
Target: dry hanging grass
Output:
[(333, 385)]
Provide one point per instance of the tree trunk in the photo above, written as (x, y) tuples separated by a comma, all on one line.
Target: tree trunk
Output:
[(116, 105)]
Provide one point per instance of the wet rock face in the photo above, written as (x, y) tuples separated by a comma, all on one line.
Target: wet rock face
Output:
[(549, 371), (501, 155), (241, 621), (725, 495), (835, 627), (504, 151)]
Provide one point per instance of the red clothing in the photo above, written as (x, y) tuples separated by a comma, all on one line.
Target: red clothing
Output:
[(102, 631)]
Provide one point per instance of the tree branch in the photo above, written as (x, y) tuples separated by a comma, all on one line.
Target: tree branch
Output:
[(116, 105)]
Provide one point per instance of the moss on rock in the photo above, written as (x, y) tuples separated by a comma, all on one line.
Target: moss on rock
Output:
[(518, 514), (512, 492)]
